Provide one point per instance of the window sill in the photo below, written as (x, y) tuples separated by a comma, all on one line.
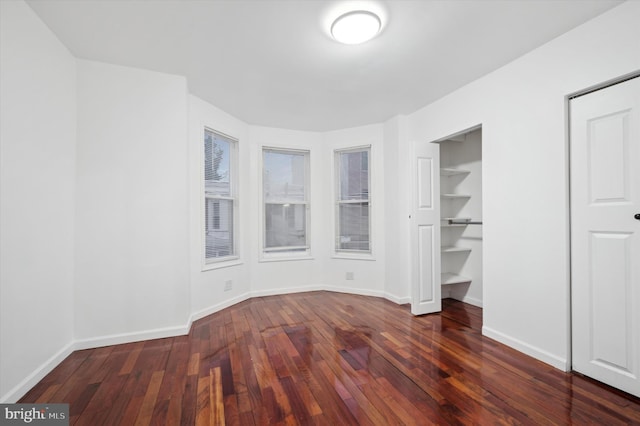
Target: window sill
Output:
[(284, 257), (232, 261), (353, 256)]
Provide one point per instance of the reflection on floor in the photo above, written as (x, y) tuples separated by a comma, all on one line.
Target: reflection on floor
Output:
[(327, 358)]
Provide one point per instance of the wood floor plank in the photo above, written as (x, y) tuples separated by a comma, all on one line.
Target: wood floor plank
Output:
[(75, 384), (102, 400), (323, 358), (57, 376), (48, 393), (110, 411), (132, 358), (189, 400), (149, 401), (216, 397), (203, 407)]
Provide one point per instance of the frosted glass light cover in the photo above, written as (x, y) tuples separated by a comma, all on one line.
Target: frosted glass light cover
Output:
[(355, 27)]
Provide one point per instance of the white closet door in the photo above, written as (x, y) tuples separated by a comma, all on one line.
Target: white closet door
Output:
[(425, 229), (605, 235)]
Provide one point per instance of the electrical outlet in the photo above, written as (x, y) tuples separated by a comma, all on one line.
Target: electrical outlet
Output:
[(228, 285), (349, 275)]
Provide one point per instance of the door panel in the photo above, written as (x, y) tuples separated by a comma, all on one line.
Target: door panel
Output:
[(608, 144), (425, 190), (427, 279), (425, 229), (605, 236), (611, 330)]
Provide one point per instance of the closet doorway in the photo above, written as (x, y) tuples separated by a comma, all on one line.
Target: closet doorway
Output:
[(446, 221), (461, 217)]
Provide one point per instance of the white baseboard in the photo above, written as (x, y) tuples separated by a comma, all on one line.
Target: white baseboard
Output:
[(38, 374), (466, 299), (137, 336), (535, 352), (215, 308), (290, 290), (397, 299), (352, 290), (336, 289), (367, 292)]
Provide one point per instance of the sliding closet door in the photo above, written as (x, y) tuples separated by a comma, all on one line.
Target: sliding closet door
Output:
[(605, 235)]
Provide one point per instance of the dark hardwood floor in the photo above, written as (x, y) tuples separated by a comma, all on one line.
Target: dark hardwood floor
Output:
[(327, 359)]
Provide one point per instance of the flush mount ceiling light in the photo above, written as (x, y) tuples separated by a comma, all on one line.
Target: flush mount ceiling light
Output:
[(356, 27)]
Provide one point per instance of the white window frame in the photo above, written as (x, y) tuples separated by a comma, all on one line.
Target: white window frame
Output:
[(290, 252), (234, 258), (352, 253)]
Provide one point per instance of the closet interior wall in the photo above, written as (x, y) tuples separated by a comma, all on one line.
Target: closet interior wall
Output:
[(461, 200)]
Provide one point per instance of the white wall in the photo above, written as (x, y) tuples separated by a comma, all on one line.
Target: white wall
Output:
[(132, 220), (273, 275), (397, 209), (37, 154), (522, 111), (368, 270), (207, 286)]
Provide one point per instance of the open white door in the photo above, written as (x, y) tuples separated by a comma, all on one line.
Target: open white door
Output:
[(425, 229), (605, 235)]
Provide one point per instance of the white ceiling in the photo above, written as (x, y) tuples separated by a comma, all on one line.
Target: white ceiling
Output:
[(272, 62)]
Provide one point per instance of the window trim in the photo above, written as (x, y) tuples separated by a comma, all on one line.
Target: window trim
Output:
[(352, 254), (274, 254), (234, 185)]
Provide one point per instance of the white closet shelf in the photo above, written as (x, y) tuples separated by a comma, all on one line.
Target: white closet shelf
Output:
[(448, 278), (453, 249), (448, 171), (452, 196)]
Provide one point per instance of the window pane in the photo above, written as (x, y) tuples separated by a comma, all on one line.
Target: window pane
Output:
[(217, 160), (354, 226), (354, 175), (284, 176), (219, 227), (285, 225)]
